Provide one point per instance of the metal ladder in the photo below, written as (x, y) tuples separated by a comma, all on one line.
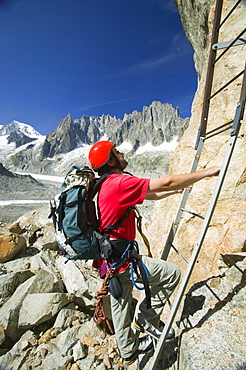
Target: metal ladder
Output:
[(202, 136)]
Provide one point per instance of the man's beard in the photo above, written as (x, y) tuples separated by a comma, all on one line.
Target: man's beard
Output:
[(123, 164)]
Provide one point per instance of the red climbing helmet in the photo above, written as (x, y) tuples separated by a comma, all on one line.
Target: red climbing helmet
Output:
[(100, 154)]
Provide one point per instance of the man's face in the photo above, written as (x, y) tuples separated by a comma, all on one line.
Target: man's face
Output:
[(120, 156)]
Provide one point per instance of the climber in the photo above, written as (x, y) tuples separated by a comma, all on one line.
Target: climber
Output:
[(117, 193)]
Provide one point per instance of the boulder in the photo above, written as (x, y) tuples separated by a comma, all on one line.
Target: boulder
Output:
[(15, 265), (45, 260), (15, 358), (70, 316), (11, 245), (43, 238), (10, 281), (78, 351), (79, 280), (72, 277), (46, 239), (66, 337), (42, 282), (38, 217), (15, 228), (40, 307)]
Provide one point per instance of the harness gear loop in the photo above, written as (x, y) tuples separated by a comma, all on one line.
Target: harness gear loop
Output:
[(99, 313), (139, 227)]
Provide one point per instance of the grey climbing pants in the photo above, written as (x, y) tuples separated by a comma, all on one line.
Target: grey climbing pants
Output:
[(164, 276)]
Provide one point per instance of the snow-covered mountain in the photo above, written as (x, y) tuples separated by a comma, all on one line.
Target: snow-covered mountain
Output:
[(149, 138), (18, 128), (17, 136)]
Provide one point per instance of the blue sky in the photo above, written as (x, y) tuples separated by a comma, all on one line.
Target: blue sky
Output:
[(91, 57)]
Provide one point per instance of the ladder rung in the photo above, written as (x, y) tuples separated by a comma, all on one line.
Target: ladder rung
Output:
[(229, 46), (192, 213), (208, 136), (223, 45), (220, 127), (227, 84), (180, 255), (211, 290), (230, 12)]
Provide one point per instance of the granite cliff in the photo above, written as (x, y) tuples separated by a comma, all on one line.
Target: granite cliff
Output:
[(227, 232)]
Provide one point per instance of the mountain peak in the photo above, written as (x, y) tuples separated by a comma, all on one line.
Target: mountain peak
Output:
[(21, 128)]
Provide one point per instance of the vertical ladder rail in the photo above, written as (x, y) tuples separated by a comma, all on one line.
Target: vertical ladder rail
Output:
[(177, 218), (209, 214), (210, 69)]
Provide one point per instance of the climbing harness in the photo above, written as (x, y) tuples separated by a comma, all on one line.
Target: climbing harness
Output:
[(112, 283)]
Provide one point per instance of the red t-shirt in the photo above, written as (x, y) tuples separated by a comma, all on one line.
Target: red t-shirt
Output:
[(117, 193)]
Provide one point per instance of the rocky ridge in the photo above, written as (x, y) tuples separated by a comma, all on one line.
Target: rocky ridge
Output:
[(69, 143), (156, 124), (15, 186)]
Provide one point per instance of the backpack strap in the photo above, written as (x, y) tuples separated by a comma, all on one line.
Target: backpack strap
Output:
[(120, 221), (94, 188), (95, 184), (60, 209)]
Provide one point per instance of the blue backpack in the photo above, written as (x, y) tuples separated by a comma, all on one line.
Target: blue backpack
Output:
[(74, 216)]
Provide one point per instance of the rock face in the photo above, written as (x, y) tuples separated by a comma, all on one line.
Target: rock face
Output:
[(226, 233), (194, 16), (213, 330), (215, 320)]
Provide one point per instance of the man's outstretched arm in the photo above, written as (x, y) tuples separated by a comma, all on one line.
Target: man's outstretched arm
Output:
[(179, 182)]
